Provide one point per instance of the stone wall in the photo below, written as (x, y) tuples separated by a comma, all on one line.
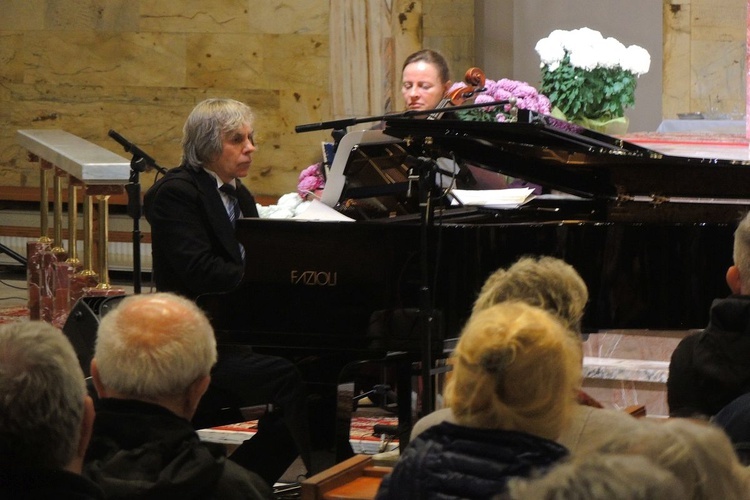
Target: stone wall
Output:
[(704, 57), (138, 67), (87, 66)]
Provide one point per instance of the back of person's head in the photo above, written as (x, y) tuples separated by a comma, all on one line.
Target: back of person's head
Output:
[(153, 346), (432, 57), (206, 126), (600, 477), (545, 282), (699, 454), (516, 367), (741, 252), (42, 392)]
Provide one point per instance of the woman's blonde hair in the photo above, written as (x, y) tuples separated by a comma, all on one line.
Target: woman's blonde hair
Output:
[(545, 282), (516, 367)]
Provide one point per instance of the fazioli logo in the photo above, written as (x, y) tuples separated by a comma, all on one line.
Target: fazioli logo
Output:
[(314, 278)]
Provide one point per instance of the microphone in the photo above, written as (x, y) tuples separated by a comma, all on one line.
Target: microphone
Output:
[(139, 156)]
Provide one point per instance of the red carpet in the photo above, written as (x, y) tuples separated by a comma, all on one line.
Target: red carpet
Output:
[(10, 314)]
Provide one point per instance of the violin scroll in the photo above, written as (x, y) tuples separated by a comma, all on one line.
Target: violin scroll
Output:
[(474, 79)]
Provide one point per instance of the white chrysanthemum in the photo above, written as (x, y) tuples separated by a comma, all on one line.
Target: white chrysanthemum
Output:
[(559, 36), (582, 37), (585, 57), (611, 53), (550, 51), (636, 59)]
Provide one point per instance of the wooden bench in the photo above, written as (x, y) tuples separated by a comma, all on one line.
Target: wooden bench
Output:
[(353, 479)]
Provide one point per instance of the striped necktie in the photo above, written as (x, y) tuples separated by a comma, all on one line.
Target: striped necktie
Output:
[(234, 209), (234, 204)]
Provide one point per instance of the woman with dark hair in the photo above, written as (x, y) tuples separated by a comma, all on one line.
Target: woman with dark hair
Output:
[(425, 80)]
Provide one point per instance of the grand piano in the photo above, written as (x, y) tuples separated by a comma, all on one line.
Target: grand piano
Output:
[(651, 235)]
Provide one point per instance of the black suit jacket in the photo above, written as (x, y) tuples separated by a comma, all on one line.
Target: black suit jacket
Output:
[(194, 247)]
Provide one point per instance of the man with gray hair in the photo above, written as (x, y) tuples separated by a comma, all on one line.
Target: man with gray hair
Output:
[(46, 415), (192, 211), (151, 366), (709, 369)]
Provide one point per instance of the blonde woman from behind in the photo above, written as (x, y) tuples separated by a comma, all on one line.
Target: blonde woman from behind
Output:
[(516, 372)]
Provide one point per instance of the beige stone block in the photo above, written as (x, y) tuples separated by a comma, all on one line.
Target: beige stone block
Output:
[(308, 17), (196, 16), (458, 50), (729, 16), (296, 60), (22, 15), (302, 106), (448, 17), (718, 78), (228, 60), (676, 61), (98, 15), (11, 56), (89, 58)]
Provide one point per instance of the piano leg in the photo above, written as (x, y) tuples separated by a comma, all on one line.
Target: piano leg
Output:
[(403, 363)]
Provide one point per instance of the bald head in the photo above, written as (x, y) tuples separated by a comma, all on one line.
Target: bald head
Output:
[(153, 346)]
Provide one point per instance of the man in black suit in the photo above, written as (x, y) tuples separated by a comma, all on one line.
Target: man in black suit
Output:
[(192, 211)]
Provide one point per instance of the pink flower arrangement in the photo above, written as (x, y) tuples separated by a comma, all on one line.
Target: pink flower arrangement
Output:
[(311, 179), (527, 97)]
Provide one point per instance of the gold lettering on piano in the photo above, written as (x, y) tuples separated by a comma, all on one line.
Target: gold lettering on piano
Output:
[(314, 278)]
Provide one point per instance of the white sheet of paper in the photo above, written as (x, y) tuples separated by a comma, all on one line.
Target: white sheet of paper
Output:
[(320, 211), (492, 198)]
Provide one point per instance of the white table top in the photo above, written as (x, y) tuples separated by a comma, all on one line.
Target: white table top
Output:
[(84, 160)]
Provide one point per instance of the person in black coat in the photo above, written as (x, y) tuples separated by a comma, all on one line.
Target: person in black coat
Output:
[(46, 415), (151, 366), (711, 368), (512, 391), (192, 211)]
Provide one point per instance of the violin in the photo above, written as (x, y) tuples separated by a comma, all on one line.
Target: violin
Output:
[(474, 80)]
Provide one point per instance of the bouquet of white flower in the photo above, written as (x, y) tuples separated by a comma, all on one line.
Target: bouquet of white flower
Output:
[(589, 77)]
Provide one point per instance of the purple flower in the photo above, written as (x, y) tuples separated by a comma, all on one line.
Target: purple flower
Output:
[(526, 96), (310, 180)]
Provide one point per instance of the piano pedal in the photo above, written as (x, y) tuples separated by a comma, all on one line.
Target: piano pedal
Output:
[(387, 434)]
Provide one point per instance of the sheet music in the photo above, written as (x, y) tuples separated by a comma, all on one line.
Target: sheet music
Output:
[(493, 198), (318, 210)]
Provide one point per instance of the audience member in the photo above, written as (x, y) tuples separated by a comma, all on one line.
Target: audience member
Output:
[(553, 285), (734, 418), (152, 363), (46, 415), (699, 454), (512, 390), (710, 368), (599, 477)]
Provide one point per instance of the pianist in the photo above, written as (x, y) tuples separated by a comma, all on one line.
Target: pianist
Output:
[(192, 211)]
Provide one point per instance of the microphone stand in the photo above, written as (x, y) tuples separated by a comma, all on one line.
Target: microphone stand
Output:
[(426, 169), (140, 162), (342, 124)]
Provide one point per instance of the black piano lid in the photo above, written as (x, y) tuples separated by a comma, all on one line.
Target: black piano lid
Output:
[(579, 162)]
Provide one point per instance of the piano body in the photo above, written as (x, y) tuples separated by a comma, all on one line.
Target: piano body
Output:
[(650, 234)]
